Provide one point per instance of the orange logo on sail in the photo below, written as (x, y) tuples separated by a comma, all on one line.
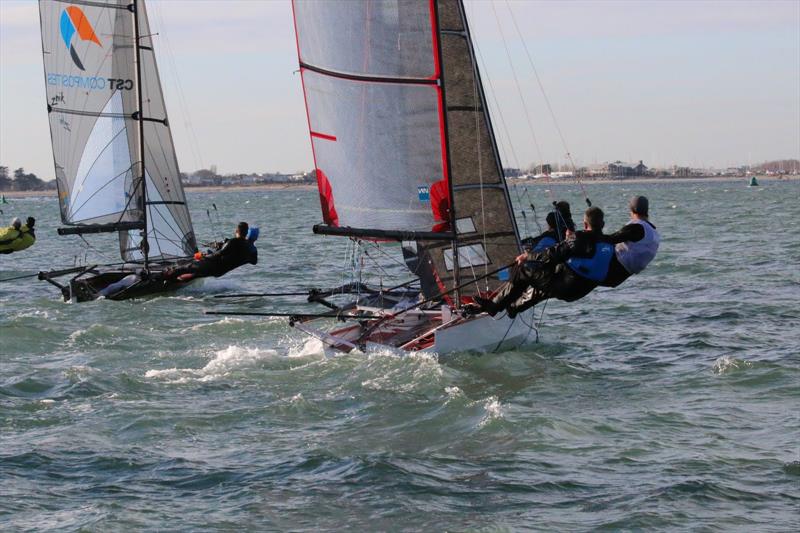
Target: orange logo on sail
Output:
[(73, 21)]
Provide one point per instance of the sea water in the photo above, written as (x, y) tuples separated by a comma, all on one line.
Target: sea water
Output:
[(670, 402)]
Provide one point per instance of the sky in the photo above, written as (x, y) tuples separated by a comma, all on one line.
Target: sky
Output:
[(700, 83)]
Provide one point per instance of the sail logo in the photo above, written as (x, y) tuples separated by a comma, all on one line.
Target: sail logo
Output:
[(74, 21)]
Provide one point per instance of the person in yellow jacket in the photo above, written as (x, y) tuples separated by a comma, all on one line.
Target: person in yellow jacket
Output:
[(17, 237)]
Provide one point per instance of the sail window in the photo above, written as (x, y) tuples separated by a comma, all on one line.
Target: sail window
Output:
[(465, 225), (471, 255)]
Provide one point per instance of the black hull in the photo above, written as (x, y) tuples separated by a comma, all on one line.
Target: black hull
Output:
[(90, 283), (88, 288)]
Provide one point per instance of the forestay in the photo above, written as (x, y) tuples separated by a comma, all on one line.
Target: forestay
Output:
[(90, 79)]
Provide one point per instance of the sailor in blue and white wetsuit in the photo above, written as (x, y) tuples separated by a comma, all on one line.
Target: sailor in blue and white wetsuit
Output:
[(568, 271), (572, 269), (636, 244)]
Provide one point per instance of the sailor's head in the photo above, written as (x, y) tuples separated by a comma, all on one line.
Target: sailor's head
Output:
[(241, 230), (16, 223), (639, 206), (30, 221), (561, 217), (593, 219)]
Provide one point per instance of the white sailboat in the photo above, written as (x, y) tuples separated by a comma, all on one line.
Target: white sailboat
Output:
[(115, 161), (404, 150)]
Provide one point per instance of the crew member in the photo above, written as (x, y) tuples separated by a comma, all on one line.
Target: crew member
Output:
[(17, 236), (559, 226), (636, 244), (230, 254), (568, 271)]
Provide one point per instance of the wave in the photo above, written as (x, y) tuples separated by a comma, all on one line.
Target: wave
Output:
[(224, 363)]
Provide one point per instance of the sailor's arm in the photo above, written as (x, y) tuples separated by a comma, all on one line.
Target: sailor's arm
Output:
[(628, 233)]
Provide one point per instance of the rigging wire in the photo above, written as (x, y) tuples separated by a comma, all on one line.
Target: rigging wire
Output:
[(194, 145), (546, 100), (514, 157), (518, 85)]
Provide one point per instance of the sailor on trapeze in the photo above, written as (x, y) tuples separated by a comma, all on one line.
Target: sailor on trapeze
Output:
[(230, 254), (573, 268)]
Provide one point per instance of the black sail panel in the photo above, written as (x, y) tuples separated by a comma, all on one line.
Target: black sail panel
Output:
[(486, 233)]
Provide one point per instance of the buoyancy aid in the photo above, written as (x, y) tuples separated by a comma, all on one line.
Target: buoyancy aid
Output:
[(544, 243), (635, 256), (15, 240), (594, 268)]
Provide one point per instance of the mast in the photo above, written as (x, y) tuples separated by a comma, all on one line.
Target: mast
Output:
[(140, 117), (453, 228)]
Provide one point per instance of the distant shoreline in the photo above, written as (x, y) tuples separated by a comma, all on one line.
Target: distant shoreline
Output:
[(512, 181)]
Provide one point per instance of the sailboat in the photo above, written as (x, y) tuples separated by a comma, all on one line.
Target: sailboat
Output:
[(115, 161), (404, 151)]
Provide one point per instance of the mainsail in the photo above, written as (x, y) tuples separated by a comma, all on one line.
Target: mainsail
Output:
[(402, 140), (109, 127)]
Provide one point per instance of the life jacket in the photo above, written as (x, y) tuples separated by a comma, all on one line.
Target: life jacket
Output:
[(594, 268), (13, 240), (252, 237), (635, 256), (544, 243)]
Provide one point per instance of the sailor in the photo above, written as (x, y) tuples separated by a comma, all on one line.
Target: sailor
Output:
[(568, 271), (230, 254), (17, 236), (559, 226), (636, 244)]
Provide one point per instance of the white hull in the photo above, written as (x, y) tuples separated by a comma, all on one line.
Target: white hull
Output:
[(429, 332)]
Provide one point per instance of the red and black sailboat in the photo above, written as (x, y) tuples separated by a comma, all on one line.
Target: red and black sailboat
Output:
[(404, 150)]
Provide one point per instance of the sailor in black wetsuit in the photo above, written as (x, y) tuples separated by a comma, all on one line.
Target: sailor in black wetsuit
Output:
[(230, 254), (636, 244), (559, 226), (568, 271)]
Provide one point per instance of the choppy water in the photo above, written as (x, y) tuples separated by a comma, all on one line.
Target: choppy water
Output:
[(669, 403)]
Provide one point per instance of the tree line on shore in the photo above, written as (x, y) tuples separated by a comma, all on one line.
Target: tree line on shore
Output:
[(23, 181)]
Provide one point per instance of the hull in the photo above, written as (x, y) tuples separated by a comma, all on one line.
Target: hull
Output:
[(437, 331), (90, 284), (91, 288)]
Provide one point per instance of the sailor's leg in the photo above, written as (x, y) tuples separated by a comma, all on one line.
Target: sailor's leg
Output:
[(531, 297), (530, 274)]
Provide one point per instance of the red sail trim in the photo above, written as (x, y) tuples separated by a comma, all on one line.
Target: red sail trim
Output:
[(443, 142), (325, 194), (322, 135), (435, 43), (329, 214)]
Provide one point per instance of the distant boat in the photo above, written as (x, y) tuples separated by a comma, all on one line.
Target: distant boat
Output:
[(115, 162), (753, 182)]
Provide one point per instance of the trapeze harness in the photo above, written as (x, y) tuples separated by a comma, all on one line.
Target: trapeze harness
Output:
[(635, 256), (594, 268), (15, 240)]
